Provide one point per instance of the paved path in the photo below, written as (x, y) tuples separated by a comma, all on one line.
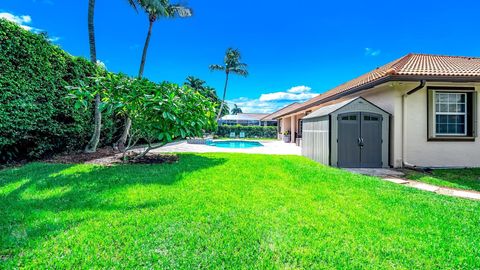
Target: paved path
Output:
[(269, 147), (398, 178)]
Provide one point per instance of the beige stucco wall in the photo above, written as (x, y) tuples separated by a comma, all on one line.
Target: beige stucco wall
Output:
[(421, 152), (415, 149), (290, 123)]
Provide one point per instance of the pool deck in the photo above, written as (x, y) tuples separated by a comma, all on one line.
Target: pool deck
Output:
[(269, 148)]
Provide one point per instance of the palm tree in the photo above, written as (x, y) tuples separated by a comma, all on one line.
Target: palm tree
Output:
[(236, 110), (195, 83), (232, 65), (207, 91), (154, 9), (93, 143)]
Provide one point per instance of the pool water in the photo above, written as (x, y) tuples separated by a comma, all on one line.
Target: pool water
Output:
[(236, 144)]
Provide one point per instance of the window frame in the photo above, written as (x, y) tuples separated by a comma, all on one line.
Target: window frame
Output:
[(471, 114), (464, 113)]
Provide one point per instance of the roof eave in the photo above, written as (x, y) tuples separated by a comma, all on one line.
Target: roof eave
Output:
[(412, 78)]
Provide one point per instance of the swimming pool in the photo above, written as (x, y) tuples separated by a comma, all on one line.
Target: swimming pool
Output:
[(235, 144)]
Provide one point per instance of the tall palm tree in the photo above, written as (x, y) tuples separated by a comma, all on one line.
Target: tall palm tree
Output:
[(232, 65), (236, 110), (93, 143), (154, 9)]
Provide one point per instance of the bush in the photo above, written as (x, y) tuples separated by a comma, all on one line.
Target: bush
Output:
[(250, 131), (36, 118)]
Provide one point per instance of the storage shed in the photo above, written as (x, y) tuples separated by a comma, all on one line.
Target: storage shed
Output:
[(350, 134)]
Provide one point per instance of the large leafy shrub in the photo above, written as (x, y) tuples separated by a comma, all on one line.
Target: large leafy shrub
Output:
[(250, 131), (35, 117), (160, 113)]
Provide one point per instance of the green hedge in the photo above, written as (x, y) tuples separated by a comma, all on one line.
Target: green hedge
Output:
[(250, 131), (36, 119)]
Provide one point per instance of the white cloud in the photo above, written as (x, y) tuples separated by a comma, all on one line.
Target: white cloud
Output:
[(372, 52), (54, 39), (299, 89), (271, 102), (297, 93), (279, 96), (255, 105), (101, 64), (22, 20)]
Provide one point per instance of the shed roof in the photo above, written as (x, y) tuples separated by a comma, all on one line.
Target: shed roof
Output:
[(329, 109)]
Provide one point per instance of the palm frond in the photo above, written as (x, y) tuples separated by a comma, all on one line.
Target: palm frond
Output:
[(241, 65), (240, 72), (154, 8), (180, 11), (217, 68), (133, 4)]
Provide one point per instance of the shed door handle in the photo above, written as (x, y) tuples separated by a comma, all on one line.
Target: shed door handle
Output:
[(361, 142)]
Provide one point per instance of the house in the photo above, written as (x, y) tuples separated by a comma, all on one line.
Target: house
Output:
[(420, 110), (247, 119)]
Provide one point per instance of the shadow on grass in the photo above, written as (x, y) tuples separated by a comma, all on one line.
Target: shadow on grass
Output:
[(30, 194)]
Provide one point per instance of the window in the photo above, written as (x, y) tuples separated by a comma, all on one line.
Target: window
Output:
[(450, 114), (349, 118), (371, 118), (300, 128)]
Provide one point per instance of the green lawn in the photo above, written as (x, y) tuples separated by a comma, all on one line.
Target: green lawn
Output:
[(230, 211), (454, 178)]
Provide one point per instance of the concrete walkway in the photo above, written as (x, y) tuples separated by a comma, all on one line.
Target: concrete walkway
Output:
[(397, 177), (269, 148)]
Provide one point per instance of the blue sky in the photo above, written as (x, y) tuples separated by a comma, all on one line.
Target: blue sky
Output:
[(295, 49)]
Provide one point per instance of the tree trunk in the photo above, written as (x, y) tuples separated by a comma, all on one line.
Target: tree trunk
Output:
[(223, 99), (126, 131), (128, 122), (91, 31), (93, 143), (145, 50)]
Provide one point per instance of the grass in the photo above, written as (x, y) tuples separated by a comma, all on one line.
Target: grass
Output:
[(454, 178), (231, 211)]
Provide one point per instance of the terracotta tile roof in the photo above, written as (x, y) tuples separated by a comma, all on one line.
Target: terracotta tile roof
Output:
[(411, 65), (282, 111)]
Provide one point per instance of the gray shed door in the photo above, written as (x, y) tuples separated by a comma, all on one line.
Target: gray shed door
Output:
[(360, 140)]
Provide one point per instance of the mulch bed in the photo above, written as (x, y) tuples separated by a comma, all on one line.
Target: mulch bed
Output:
[(81, 157), (108, 156)]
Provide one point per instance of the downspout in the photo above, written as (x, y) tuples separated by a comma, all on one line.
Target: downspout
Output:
[(405, 163)]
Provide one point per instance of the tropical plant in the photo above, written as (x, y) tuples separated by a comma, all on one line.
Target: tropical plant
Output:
[(95, 139), (160, 113), (250, 131), (163, 113), (36, 120), (207, 91), (233, 65), (236, 110), (154, 9), (196, 83)]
